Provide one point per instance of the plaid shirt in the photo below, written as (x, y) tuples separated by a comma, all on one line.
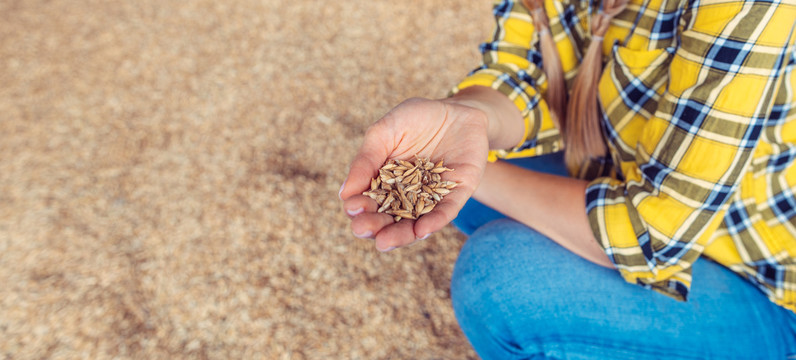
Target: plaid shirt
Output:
[(699, 114)]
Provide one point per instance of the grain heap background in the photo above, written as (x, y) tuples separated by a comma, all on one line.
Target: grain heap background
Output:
[(169, 171)]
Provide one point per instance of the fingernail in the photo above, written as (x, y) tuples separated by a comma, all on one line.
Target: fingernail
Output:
[(365, 235), (387, 249), (340, 192), (355, 212), (424, 236)]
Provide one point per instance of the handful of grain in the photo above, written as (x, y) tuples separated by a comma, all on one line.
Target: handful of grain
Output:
[(406, 190)]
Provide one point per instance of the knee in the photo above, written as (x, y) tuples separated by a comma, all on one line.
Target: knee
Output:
[(500, 261), (508, 286)]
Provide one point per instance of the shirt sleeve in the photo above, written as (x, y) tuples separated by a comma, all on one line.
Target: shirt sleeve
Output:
[(696, 149), (512, 65)]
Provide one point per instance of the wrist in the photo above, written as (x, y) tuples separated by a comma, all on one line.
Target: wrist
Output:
[(503, 120), (475, 109)]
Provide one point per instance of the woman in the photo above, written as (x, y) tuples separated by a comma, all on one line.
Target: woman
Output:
[(678, 124)]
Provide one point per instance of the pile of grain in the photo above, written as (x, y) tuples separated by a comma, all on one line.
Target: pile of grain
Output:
[(408, 191)]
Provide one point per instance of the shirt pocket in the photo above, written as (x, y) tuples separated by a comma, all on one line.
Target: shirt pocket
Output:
[(630, 87)]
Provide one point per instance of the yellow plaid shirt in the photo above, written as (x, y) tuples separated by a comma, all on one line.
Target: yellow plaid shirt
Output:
[(699, 114)]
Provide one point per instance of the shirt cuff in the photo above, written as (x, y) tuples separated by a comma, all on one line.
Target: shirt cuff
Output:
[(540, 137)]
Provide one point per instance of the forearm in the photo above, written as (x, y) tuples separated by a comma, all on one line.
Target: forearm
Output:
[(505, 123), (553, 205)]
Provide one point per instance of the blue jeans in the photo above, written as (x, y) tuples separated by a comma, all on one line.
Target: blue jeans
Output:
[(519, 295)]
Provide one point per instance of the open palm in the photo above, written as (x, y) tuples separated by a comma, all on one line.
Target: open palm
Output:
[(428, 129)]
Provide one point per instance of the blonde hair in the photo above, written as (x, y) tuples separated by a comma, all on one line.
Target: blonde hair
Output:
[(578, 119)]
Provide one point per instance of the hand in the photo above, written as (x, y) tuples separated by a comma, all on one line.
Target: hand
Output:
[(434, 129)]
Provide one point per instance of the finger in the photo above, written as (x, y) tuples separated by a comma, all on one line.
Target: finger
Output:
[(358, 204), (395, 235), (444, 212), (372, 154), (366, 225)]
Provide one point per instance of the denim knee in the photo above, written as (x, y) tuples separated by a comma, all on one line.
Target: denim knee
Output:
[(510, 287), (496, 253), (485, 278)]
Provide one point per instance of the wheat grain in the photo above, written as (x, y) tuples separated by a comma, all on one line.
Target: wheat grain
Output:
[(409, 190)]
